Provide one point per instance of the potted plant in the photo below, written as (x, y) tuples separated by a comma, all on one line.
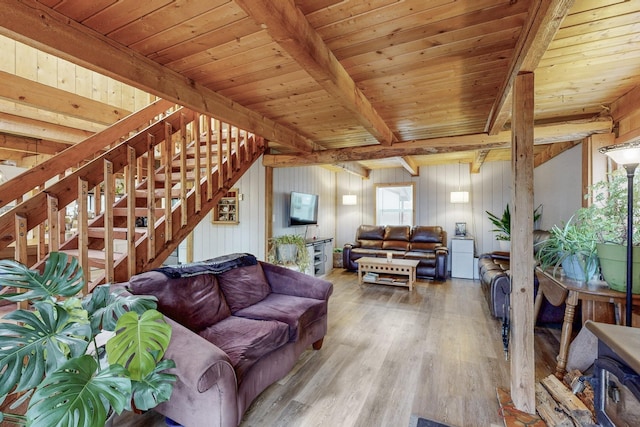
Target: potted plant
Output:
[(289, 249), (52, 358), (573, 247), (608, 216), (502, 224)]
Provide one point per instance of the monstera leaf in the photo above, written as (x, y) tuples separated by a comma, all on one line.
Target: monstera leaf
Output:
[(106, 307), (75, 396), (154, 388), (139, 342), (40, 343), (62, 276)]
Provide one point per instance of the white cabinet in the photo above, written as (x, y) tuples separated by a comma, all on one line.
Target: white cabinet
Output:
[(320, 258), (462, 251)]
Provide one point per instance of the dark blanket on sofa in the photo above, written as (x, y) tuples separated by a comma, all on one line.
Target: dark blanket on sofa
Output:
[(216, 265)]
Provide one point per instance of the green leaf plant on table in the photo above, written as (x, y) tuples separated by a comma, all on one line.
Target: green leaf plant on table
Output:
[(50, 356)]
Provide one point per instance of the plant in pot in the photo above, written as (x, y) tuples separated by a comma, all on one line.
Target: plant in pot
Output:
[(573, 247), (502, 225), (51, 357), (607, 215), (289, 249)]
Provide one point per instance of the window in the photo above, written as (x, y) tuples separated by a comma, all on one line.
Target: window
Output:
[(394, 204)]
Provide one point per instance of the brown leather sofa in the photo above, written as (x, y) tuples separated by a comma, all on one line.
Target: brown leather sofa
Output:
[(428, 244), (239, 325)]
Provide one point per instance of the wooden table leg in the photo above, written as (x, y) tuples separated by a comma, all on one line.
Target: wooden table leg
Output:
[(567, 330)]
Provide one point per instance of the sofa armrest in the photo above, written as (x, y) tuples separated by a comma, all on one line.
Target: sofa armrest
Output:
[(205, 392), (442, 258), (290, 282)]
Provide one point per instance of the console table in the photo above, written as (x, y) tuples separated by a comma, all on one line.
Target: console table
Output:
[(599, 304)]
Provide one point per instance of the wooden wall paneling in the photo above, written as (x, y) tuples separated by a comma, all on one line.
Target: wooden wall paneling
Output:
[(8, 48), (26, 61), (522, 322)]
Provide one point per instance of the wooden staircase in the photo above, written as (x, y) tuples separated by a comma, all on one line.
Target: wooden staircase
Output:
[(133, 192)]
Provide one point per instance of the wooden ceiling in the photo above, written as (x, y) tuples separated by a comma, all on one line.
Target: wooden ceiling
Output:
[(360, 84)]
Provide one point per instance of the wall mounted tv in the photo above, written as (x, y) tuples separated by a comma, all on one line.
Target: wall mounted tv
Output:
[(303, 209)]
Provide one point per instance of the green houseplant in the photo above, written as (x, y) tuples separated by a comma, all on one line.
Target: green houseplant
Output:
[(51, 356), (607, 215), (572, 246), (289, 249), (502, 224)]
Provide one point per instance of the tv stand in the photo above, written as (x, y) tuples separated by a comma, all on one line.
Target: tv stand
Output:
[(320, 256)]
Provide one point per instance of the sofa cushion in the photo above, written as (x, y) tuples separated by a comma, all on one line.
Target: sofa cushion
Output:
[(426, 234), (196, 302), (244, 286), (297, 312), (370, 236), (246, 340)]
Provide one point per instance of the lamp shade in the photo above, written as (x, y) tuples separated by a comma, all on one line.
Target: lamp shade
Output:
[(459, 197), (623, 154), (349, 199)]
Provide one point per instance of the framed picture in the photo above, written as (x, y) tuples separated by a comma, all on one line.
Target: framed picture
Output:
[(461, 228)]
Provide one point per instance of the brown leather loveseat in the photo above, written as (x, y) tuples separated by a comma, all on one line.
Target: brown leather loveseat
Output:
[(428, 244)]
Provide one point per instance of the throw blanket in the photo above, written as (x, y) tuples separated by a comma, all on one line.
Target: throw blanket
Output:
[(216, 265)]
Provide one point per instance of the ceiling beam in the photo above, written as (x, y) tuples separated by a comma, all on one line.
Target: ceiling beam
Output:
[(38, 26), (40, 130), (552, 150), (288, 26), (626, 105), (354, 169), (29, 92), (409, 165), (544, 20), (544, 134), (478, 160), (30, 145)]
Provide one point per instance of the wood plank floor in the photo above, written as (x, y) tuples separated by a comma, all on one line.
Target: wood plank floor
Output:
[(390, 353)]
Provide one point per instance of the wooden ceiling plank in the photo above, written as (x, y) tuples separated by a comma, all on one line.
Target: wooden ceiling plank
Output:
[(48, 98), (290, 29), (29, 112), (543, 22), (35, 25)]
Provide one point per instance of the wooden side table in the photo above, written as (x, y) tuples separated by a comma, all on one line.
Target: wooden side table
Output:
[(599, 304)]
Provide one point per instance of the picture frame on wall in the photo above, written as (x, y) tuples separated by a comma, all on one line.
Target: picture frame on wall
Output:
[(461, 229)]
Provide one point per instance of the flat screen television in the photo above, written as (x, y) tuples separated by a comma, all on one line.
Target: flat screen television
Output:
[(303, 209)]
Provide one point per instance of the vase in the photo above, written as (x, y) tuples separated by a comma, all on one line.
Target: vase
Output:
[(575, 266), (613, 265), (287, 253), (504, 245)]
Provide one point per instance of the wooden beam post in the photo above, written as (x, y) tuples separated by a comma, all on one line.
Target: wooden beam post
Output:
[(594, 163), (522, 264)]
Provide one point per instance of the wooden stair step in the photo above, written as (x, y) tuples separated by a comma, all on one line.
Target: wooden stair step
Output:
[(143, 211), (158, 193), (118, 232), (95, 256)]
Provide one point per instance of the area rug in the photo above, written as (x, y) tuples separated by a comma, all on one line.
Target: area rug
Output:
[(417, 421)]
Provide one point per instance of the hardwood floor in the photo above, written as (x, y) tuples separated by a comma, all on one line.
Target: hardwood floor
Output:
[(435, 352)]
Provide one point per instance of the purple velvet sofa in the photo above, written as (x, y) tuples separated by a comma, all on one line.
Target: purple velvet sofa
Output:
[(236, 330)]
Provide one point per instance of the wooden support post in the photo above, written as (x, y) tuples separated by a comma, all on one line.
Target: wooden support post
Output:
[(184, 214), (151, 198), (52, 222), (209, 160), (20, 254), (219, 153), (130, 173), (109, 200), (83, 231), (168, 158), (268, 211), (522, 263), (197, 170), (229, 152)]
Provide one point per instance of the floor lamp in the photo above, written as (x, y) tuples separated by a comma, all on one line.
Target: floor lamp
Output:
[(627, 155)]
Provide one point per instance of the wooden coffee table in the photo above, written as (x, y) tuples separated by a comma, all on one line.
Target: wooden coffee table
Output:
[(384, 268)]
